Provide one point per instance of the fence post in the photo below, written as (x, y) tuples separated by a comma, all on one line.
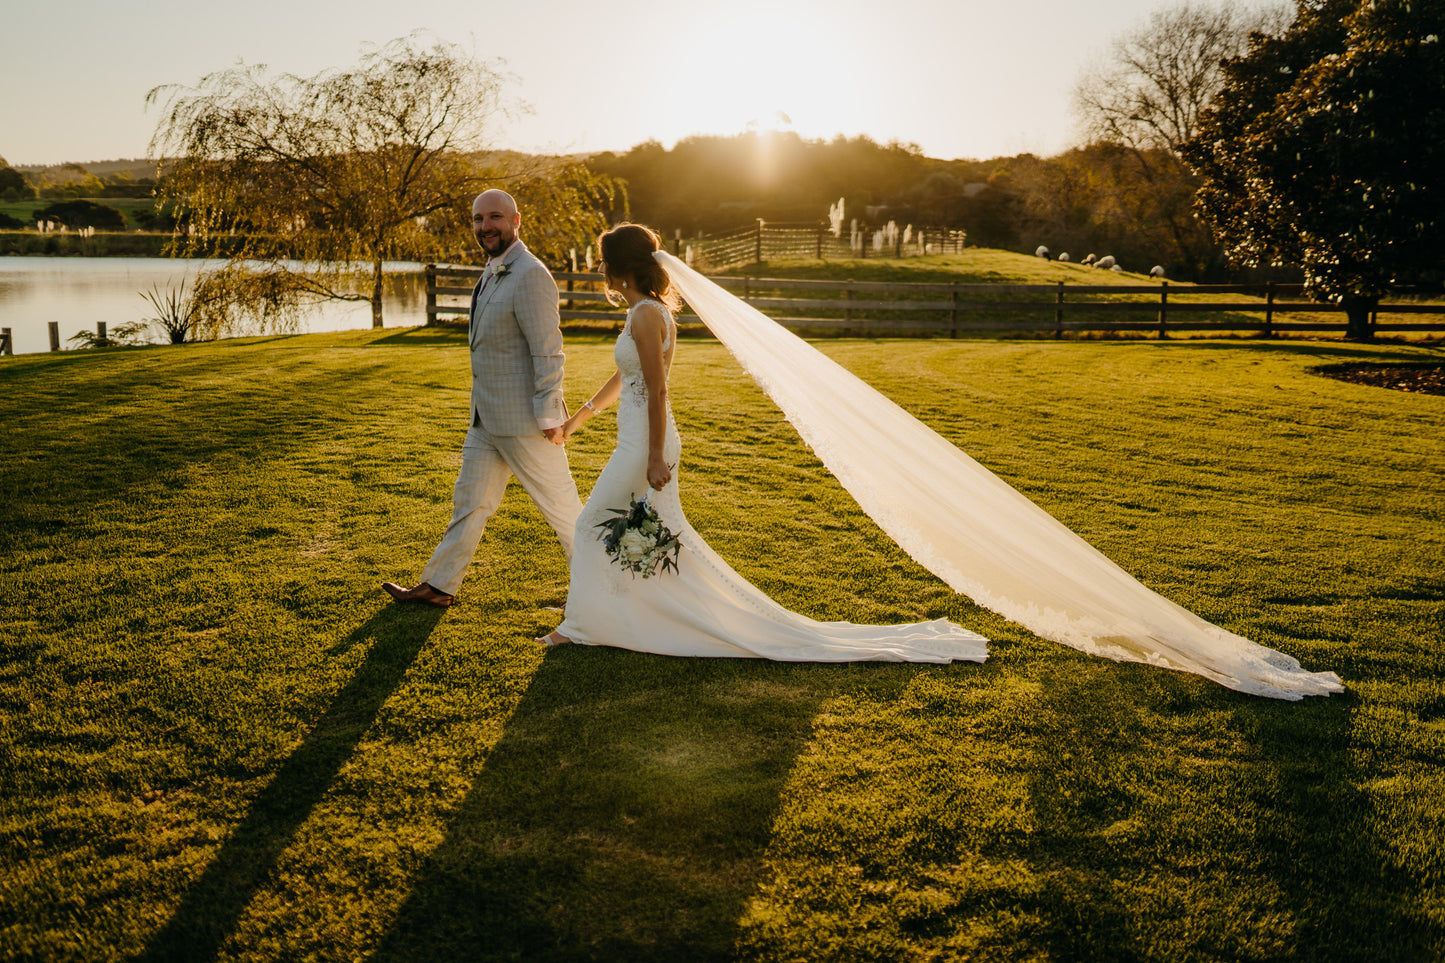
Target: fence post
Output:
[(1269, 309), (54, 335), (1163, 307), (7, 341), (572, 266), (820, 242), (759, 251), (848, 296), (953, 313), (1059, 312), (100, 333), (431, 294)]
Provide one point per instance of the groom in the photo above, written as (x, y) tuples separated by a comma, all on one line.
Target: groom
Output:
[(517, 410)]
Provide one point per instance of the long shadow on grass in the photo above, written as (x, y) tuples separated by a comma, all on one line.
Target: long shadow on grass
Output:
[(430, 336), (1322, 844), (208, 913), (1177, 820), (622, 816)]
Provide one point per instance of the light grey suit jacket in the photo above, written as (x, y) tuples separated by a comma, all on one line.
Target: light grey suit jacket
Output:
[(516, 340)]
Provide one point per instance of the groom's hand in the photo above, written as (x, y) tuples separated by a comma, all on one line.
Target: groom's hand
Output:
[(555, 435)]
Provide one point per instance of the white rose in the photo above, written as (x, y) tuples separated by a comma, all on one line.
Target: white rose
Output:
[(633, 546)]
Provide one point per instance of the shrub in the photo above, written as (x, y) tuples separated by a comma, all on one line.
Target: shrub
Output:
[(78, 214)]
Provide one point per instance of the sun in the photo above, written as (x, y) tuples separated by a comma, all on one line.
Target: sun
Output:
[(763, 67)]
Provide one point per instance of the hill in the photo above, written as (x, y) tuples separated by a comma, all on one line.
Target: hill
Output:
[(136, 168)]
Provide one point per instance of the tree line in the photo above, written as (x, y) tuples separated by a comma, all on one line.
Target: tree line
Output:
[(1303, 140), (1103, 198)]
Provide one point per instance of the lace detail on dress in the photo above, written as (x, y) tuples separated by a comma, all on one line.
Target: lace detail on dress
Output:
[(629, 363)]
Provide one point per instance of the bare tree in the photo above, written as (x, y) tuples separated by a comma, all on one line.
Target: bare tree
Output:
[(322, 179), (1149, 91)]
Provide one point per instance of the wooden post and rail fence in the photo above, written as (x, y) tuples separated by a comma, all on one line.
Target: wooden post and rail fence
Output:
[(875, 308), (773, 240), (7, 336)]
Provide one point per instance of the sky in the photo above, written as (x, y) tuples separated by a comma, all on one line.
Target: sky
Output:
[(959, 78)]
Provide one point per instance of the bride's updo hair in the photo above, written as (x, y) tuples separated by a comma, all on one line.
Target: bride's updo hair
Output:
[(627, 254)]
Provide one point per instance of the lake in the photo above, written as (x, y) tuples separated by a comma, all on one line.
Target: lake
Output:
[(79, 291)]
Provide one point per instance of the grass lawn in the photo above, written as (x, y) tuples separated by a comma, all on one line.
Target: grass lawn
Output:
[(218, 739)]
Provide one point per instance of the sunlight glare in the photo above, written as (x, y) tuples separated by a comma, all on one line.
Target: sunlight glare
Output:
[(784, 78)]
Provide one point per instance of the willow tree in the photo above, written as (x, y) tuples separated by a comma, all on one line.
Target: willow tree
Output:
[(1326, 149), (322, 179)]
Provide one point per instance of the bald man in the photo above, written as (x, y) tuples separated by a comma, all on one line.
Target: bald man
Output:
[(517, 410)]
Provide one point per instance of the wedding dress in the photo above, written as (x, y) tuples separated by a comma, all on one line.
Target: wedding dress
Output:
[(705, 608), (969, 527)]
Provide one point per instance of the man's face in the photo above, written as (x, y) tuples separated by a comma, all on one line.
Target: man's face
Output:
[(494, 223)]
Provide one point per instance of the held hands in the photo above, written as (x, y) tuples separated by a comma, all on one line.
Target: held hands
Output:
[(557, 436), (579, 418)]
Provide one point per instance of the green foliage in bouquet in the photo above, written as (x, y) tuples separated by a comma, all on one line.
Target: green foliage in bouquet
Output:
[(637, 540)]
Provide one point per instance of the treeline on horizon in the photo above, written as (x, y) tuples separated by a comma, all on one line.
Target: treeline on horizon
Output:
[(1101, 199), (126, 177), (1137, 205)]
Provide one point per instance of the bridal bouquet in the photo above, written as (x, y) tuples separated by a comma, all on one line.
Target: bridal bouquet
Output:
[(638, 541)]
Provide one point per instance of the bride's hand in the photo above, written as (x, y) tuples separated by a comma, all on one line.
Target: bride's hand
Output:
[(659, 473)]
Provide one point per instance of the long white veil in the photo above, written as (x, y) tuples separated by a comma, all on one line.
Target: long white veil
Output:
[(967, 526)]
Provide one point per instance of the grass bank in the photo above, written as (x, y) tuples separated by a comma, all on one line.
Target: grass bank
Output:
[(101, 244), (218, 740), (1003, 268)]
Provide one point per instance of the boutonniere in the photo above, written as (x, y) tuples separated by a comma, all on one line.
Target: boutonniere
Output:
[(498, 270)]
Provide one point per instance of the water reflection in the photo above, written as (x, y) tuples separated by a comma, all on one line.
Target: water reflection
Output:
[(77, 292)]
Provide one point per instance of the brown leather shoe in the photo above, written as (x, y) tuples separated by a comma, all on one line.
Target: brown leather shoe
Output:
[(423, 593)]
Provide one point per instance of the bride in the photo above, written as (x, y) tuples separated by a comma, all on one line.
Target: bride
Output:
[(949, 513), (702, 607)]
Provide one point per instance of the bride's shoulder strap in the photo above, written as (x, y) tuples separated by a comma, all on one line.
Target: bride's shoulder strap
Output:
[(649, 314), (649, 309)]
